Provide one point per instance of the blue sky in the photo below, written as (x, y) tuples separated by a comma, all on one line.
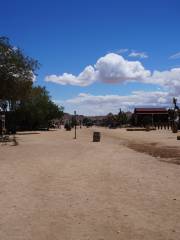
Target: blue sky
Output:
[(67, 36)]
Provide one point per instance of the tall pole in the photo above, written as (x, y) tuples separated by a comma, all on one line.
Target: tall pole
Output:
[(152, 119), (75, 125), (3, 125)]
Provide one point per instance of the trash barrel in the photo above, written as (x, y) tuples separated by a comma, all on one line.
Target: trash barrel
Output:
[(96, 136), (175, 128)]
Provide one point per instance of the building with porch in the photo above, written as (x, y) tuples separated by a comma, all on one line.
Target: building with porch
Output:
[(150, 116)]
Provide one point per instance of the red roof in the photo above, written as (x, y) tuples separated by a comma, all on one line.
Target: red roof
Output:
[(151, 110)]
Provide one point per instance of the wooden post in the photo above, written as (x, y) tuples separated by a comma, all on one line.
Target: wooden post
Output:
[(3, 125), (152, 119), (75, 125), (96, 136)]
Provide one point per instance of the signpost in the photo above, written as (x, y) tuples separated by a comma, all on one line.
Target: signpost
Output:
[(175, 117), (3, 125), (75, 125)]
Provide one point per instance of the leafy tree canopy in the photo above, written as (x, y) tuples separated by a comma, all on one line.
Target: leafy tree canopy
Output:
[(29, 107), (17, 73), (38, 110)]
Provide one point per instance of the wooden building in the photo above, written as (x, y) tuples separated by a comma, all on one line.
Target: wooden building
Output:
[(150, 116)]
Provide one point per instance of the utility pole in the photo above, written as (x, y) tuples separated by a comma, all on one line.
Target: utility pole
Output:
[(75, 125)]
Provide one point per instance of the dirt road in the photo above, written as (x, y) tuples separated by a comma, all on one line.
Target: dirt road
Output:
[(53, 187)]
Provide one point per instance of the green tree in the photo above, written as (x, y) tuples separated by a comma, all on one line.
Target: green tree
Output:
[(121, 118), (17, 73), (38, 110), (87, 122)]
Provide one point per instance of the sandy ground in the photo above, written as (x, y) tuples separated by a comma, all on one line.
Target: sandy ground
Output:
[(53, 187)]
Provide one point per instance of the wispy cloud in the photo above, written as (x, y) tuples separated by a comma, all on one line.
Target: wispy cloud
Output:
[(103, 104), (122, 50), (137, 54), (175, 56)]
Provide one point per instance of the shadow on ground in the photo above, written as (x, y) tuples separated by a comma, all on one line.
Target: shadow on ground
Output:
[(27, 133), (165, 153), (9, 140)]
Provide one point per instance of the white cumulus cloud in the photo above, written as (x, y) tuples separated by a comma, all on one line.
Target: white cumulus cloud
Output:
[(85, 78), (111, 68), (169, 79)]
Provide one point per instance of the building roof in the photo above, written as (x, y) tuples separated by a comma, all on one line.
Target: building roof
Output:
[(150, 111)]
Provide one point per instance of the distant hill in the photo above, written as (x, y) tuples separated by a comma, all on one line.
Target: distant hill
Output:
[(68, 116)]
